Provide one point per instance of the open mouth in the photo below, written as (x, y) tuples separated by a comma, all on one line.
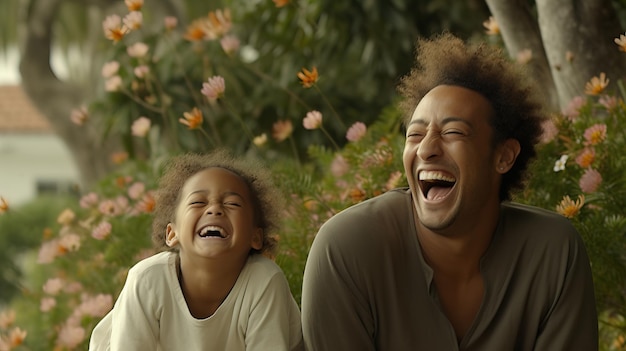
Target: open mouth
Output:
[(435, 184), (211, 231)]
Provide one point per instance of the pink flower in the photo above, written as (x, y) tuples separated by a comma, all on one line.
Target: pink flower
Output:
[(141, 71), (48, 251), (141, 127), (113, 84), (96, 306), (69, 242), (137, 50), (70, 336), (590, 181), (609, 102), (102, 231), (108, 208), (550, 131), (595, 134), (356, 131), (214, 88), (110, 69), (229, 43), (313, 120), (78, 116), (136, 190), (47, 304), (89, 200), (7, 318), (339, 166), (53, 286), (571, 111), (524, 56), (393, 181), (170, 22), (72, 287), (133, 20), (281, 130)]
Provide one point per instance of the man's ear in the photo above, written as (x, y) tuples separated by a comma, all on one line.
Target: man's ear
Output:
[(257, 239), (171, 239), (509, 150)]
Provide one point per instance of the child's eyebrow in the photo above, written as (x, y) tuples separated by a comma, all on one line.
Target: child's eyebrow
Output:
[(224, 194)]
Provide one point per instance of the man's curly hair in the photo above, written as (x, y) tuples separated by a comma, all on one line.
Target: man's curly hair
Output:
[(519, 114), (178, 169)]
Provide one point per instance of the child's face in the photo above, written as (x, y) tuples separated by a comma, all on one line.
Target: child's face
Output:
[(215, 217)]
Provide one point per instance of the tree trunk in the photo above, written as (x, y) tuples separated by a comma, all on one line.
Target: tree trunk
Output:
[(571, 41), (56, 98), (520, 31)]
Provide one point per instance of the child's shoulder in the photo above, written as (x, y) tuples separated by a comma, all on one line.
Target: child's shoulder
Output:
[(158, 261), (259, 264)]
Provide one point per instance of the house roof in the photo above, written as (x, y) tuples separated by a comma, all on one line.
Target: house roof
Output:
[(17, 112)]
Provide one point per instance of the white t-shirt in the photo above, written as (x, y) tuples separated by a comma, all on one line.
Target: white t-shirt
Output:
[(151, 314)]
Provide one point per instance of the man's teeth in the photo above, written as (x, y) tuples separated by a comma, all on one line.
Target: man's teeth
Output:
[(435, 175)]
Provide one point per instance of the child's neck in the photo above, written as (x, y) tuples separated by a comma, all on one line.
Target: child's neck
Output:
[(206, 288)]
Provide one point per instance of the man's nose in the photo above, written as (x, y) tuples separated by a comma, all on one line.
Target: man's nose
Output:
[(430, 146)]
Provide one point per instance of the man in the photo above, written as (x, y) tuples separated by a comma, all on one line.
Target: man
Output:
[(450, 263)]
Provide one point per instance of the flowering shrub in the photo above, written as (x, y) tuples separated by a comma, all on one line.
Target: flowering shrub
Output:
[(580, 172)]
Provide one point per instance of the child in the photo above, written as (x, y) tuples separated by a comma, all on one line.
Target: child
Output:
[(211, 287)]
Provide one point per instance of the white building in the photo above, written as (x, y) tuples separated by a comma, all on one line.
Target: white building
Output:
[(33, 160)]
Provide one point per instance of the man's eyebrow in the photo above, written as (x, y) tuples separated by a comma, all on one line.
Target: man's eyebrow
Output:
[(446, 120)]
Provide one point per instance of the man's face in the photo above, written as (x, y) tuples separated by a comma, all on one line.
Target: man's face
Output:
[(452, 167)]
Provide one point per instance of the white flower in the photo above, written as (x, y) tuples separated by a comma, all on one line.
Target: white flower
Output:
[(140, 127), (559, 165)]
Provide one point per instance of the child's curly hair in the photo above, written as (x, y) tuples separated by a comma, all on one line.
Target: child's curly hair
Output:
[(178, 169), (447, 60)]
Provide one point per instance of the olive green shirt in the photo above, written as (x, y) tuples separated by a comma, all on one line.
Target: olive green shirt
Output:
[(367, 286)]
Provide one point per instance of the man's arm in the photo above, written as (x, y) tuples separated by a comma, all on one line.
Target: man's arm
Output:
[(335, 312), (572, 323)]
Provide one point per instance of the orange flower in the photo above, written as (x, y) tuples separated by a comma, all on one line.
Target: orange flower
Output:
[(357, 195), (194, 31), (492, 26), (4, 205), (119, 157), (219, 23), (193, 119), (16, 337), (134, 5), (586, 157), (308, 78), (570, 208), (113, 28), (596, 85), (280, 3), (621, 42)]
